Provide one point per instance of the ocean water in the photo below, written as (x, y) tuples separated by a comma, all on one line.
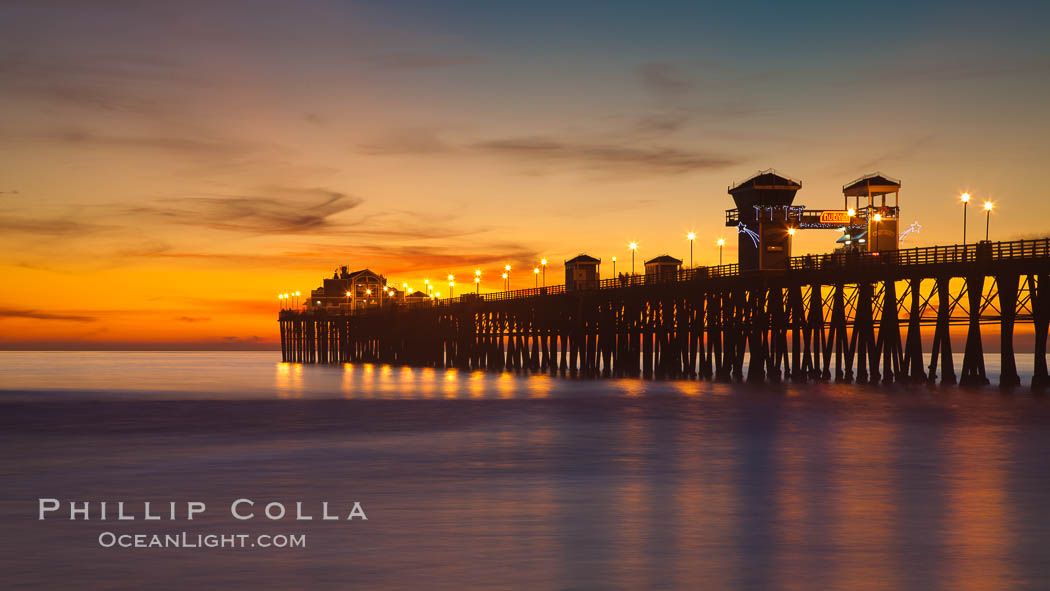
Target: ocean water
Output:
[(475, 480)]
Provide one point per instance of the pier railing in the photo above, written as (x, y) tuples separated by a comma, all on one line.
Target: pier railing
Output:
[(929, 255)]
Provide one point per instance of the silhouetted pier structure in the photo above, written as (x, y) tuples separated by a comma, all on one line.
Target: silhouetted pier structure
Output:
[(848, 316)]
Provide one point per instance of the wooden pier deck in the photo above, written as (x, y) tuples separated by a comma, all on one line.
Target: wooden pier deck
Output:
[(856, 317)]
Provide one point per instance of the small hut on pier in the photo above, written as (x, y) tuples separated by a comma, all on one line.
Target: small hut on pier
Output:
[(662, 268), (581, 272)]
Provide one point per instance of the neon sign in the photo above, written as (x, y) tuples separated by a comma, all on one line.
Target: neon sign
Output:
[(742, 229), (834, 217)]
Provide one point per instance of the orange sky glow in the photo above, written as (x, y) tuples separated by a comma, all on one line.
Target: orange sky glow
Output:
[(166, 172)]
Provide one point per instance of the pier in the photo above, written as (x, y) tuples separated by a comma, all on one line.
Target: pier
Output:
[(847, 317), (854, 315)]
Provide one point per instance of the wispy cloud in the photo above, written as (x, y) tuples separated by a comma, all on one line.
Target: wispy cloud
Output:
[(193, 319), (197, 146), (418, 60), (664, 79), (278, 211), (606, 157), (46, 226), (662, 123), (964, 69), (133, 84), (39, 315), (417, 140)]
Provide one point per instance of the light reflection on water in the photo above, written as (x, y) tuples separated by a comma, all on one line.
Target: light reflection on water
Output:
[(479, 480)]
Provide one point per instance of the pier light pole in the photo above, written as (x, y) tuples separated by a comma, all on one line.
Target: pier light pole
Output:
[(791, 235), (280, 300), (506, 283), (965, 198), (633, 246), (987, 218), (347, 301), (536, 276), (721, 243), (878, 218), (296, 300), (543, 264), (614, 266), (451, 286), (477, 281), (691, 236), (507, 269)]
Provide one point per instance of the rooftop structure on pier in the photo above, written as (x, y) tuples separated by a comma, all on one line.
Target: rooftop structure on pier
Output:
[(581, 272), (664, 265), (767, 218), (349, 290), (763, 212), (875, 228)]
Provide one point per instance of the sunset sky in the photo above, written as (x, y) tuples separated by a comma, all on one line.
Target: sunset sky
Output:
[(167, 168)]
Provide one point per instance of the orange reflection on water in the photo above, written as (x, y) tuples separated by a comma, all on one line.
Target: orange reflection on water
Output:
[(289, 380), (476, 384), (862, 510), (977, 529), (505, 385), (366, 384), (427, 381), (539, 385), (633, 500), (630, 387), (688, 388), (451, 387), (347, 383)]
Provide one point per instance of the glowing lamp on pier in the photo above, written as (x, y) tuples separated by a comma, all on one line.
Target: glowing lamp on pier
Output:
[(987, 218), (791, 231)]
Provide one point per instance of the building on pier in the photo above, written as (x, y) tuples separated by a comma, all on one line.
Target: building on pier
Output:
[(581, 272), (347, 290), (766, 218), (763, 215), (662, 268), (874, 228)]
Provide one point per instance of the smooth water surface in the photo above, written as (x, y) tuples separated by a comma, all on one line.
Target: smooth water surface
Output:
[(500, 481)]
